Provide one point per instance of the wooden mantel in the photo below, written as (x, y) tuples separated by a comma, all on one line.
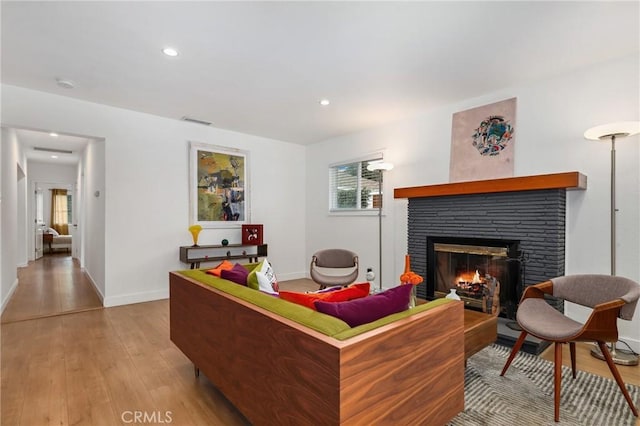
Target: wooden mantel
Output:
[(568, 180)]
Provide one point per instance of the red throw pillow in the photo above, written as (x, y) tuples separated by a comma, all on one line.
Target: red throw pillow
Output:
[(354, 291), (226, 265)]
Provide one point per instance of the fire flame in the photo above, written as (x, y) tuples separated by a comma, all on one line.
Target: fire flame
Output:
[(470, 277)]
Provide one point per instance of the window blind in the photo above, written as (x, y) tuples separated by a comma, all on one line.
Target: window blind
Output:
[(353, 187)]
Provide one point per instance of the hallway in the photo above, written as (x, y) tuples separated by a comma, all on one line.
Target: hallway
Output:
[(49, 286)]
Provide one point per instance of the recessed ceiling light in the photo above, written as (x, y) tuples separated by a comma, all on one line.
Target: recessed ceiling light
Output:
[(54, 156), (324, 102), (170, 51), (66, 84), (53, 135)]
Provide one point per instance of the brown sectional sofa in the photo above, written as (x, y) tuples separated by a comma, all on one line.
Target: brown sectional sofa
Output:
[(406, 369)]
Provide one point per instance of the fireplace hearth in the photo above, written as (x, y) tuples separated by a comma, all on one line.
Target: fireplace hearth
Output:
[(527, 211), (486, 273)]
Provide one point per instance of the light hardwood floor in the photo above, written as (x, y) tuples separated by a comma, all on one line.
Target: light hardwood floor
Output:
[(100, 367), (51, 285), (586, 362)]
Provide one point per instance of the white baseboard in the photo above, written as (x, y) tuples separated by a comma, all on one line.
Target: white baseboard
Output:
[(95, 286), (127, 299), (9, 294), (635, 344)]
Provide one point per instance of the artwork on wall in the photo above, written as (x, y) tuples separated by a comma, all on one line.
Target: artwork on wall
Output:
[(252, 234), (482, 142), (219, 186)]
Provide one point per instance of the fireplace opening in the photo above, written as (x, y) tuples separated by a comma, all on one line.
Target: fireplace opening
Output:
[(485, 273)]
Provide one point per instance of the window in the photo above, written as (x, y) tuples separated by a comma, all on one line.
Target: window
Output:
[(353, 187), (60, 211)]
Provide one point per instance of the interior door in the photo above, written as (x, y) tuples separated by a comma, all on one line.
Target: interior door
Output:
[(39, 224)]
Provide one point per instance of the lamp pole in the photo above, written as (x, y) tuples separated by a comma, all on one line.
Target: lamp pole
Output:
[(603, 133), (380, 229), (380, 167), (613, 206)]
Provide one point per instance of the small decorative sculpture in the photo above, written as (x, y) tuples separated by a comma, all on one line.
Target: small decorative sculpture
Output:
[(370, 275), (453, 295), (195, 231), (491, 296)]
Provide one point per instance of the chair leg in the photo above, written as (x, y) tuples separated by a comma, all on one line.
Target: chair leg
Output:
[(616, 375), (557, 379), (514, 351), (572, 349)]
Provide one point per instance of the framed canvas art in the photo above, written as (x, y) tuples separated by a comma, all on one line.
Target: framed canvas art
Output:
[(219, 186), (482, 142)]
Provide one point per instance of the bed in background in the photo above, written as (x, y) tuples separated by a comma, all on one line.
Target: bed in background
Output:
[(54, 240)]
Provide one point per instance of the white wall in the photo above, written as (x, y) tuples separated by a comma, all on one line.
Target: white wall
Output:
[(145, 189), (12, 160), (92, 225), (552, 116), (4, 135), (22, 255)]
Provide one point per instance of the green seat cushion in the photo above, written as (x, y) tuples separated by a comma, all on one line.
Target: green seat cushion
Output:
[(322, 323), (325, 324)]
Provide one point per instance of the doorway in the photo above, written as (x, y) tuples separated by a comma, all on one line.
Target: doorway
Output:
[(57, 282)]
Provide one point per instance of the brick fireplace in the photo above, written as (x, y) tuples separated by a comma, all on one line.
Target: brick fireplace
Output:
[(526, 213)]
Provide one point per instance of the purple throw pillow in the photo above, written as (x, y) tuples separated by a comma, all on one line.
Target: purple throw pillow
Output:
[(367, 309), (238, 274)]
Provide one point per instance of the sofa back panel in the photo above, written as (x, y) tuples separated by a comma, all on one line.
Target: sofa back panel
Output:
[(255, 358), (322, 323), (424, 353)]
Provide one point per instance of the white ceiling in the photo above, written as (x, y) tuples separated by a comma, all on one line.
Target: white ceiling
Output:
[(261, 67), (31, 139)]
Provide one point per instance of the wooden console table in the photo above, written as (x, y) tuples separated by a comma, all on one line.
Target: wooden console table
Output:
[(213, 253), (47, 239)]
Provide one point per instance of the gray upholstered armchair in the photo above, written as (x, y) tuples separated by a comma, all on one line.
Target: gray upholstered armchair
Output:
[(610, 297), (324, 260)]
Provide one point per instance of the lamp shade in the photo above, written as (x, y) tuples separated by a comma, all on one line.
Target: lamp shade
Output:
[(379, 165), (619, 130)]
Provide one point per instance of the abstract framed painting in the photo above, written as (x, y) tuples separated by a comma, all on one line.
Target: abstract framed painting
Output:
[(482, 142), (218, 186)]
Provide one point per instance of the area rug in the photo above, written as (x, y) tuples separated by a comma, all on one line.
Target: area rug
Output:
[(524, 396)]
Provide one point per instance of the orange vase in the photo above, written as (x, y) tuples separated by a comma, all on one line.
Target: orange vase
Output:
[(407, 263), (407, 268)]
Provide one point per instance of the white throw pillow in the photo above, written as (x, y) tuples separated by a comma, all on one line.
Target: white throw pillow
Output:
[(267, 280), (53, 231)]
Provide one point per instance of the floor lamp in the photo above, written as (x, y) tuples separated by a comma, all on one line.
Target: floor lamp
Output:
[(611, 132), (379, 166)]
